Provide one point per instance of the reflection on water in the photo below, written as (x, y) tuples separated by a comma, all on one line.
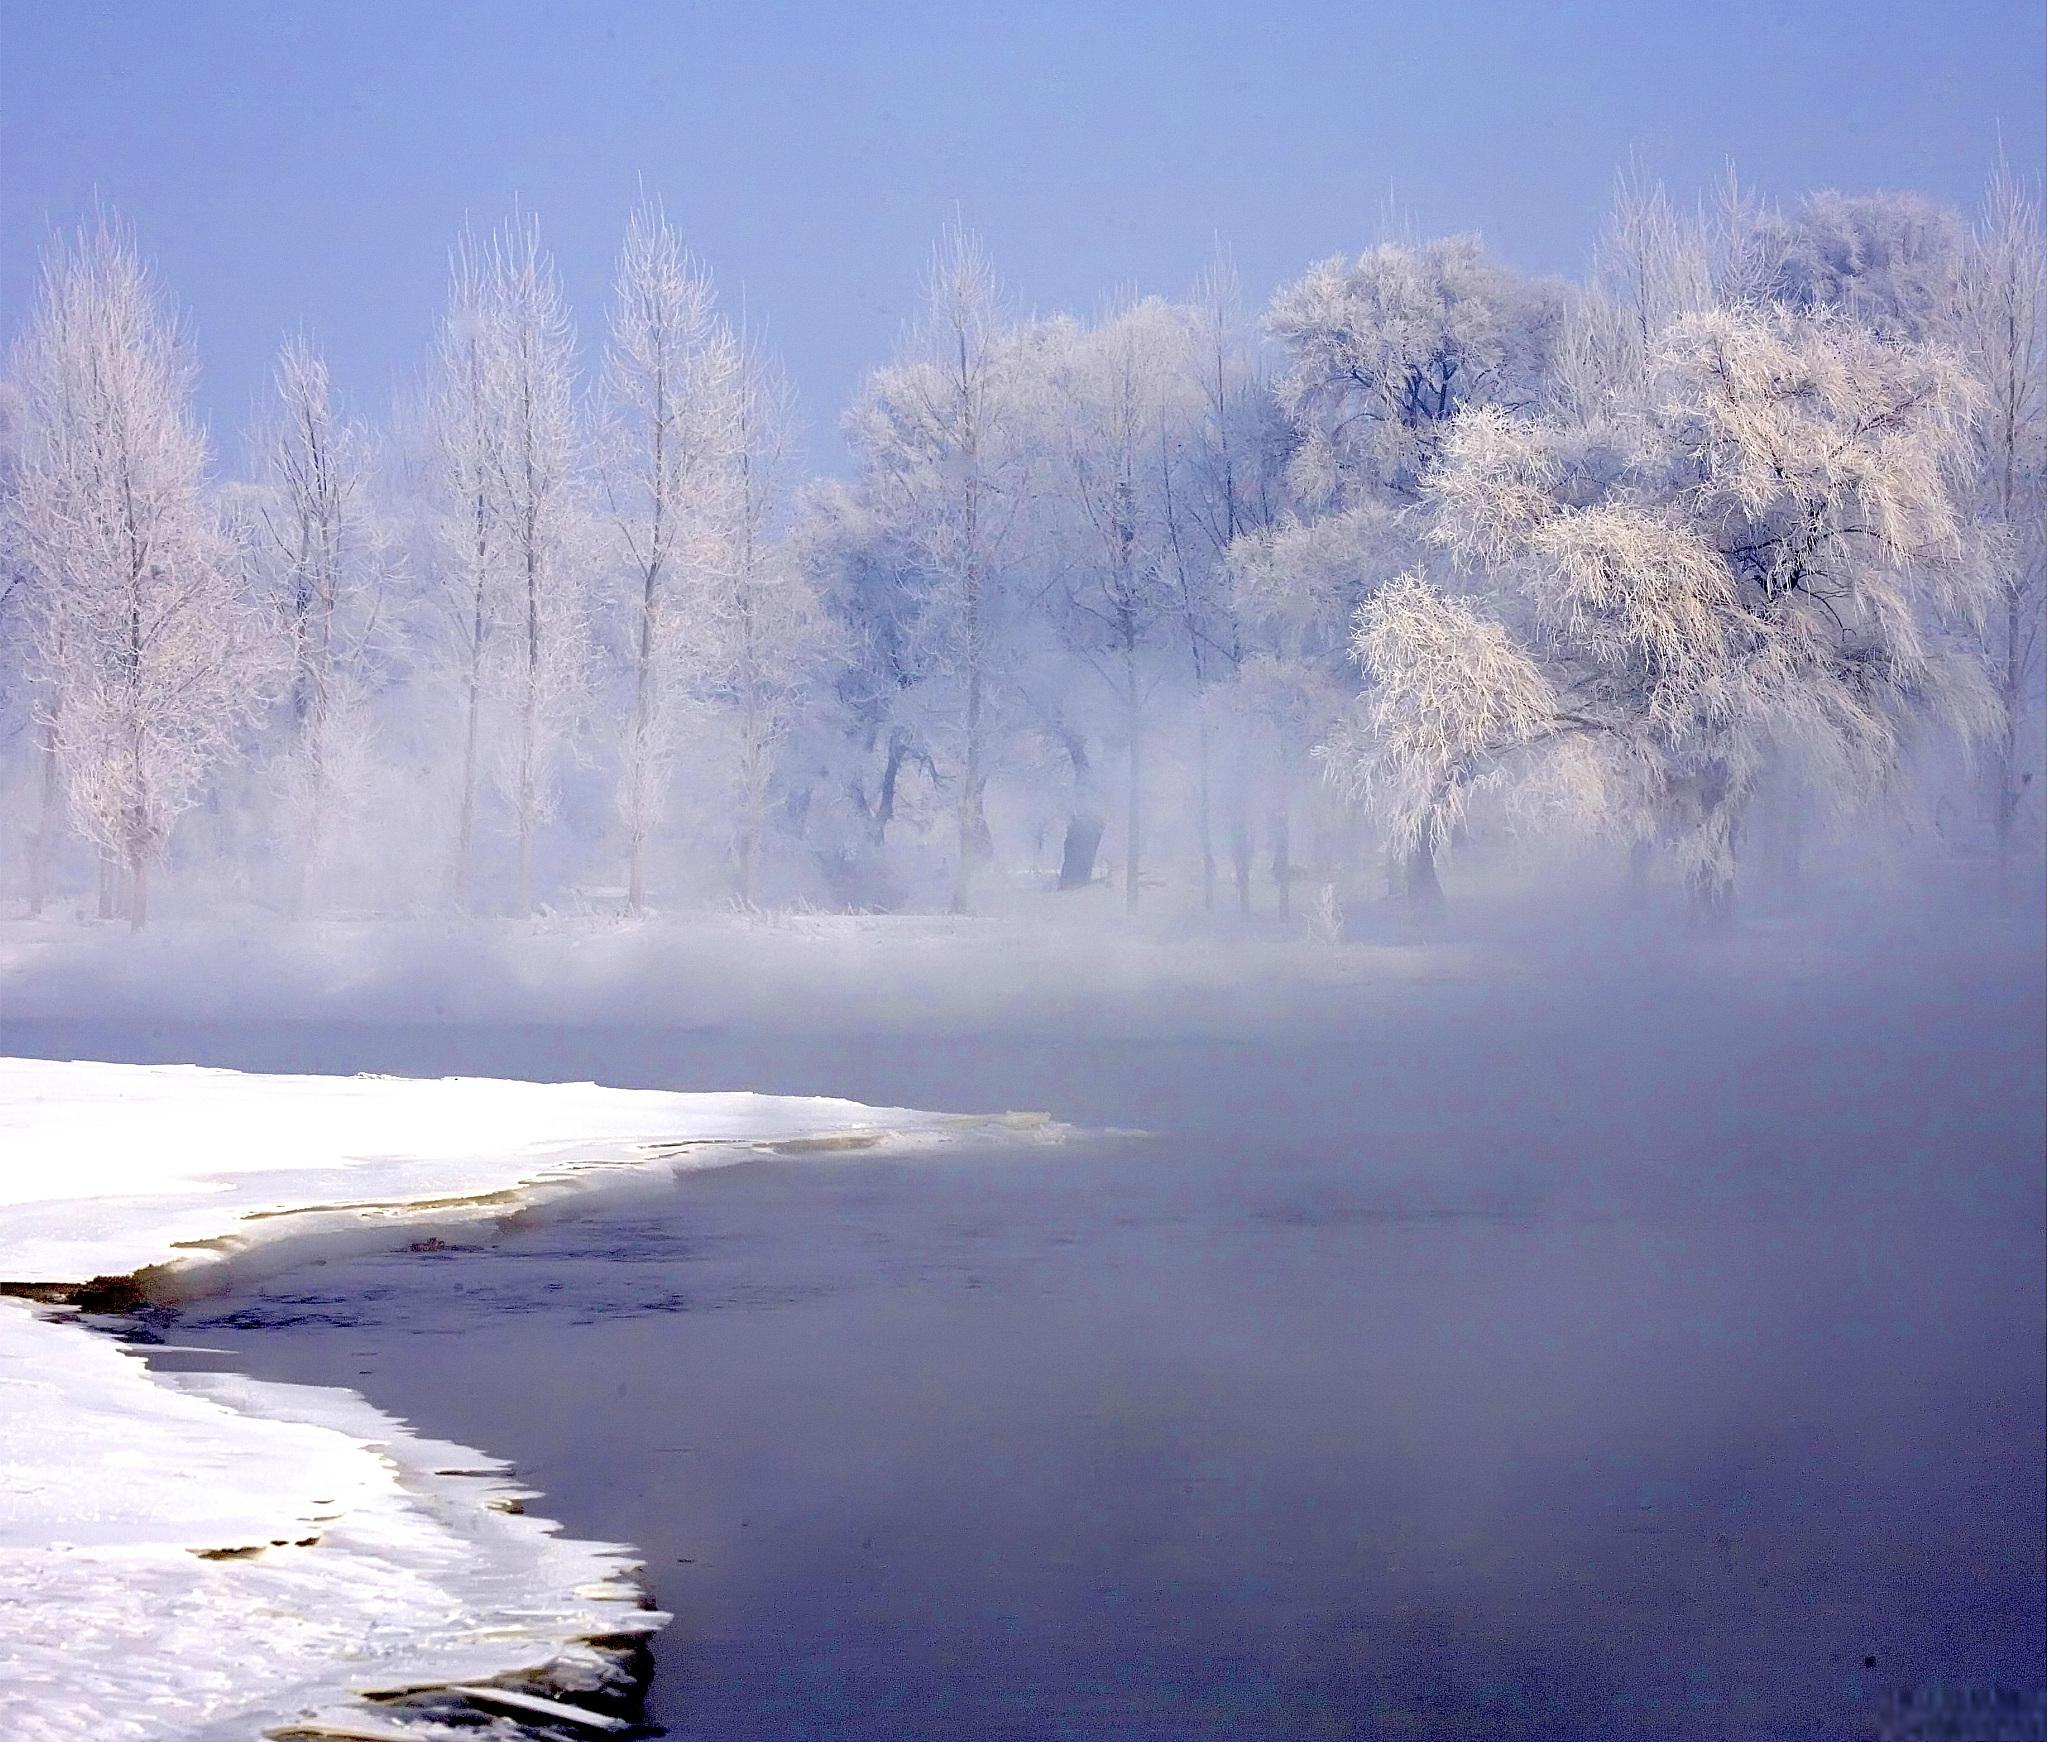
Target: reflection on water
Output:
[(1477, 1369)]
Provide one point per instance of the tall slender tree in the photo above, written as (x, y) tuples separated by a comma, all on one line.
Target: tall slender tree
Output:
[(672, 402), (1123, 408), (151, 657), (2002, 329), (1229, 488), (469, 537), (531, 483), (764, 631), (322, 547)]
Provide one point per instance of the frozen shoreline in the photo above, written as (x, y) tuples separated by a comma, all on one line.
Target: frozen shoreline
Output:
[(203, 1556)]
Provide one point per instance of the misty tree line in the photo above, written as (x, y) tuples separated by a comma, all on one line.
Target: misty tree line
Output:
[(1704, 552)]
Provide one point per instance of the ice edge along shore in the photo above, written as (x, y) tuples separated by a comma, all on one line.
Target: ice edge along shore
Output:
[(205, 1556)]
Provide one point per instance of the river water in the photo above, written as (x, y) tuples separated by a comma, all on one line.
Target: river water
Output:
[(1490, 1362)]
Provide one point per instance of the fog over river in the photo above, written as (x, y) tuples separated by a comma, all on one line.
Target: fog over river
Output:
[(1496, 1361)]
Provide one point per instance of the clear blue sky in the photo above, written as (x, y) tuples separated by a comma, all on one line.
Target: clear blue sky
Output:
[(288, 162)]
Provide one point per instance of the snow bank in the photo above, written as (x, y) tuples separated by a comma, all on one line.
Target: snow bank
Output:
[(206, 1557), (109, 1169), (202, 1556)]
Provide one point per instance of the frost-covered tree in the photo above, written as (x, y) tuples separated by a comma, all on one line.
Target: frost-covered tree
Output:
[(1381, 354), (668, 445), (762, 633), (23, 681), (149, 656), (1909, 267), (469, 538), (1682, 550), (515, 581), (866, 578), (1652, 265), (1888, 261), (320, 549), (1769, 569), (2001, 310), (934, 435), (1123, 405), (531, 491), (1652, 261), (1383, 351), (1296, 590), (1229, 488)]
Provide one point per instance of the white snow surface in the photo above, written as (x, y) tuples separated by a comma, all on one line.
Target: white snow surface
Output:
[(105, 1169), (203, 1556)]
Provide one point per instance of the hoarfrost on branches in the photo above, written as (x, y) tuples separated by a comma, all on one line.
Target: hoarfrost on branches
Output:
[(1776, 570), (149, 659)]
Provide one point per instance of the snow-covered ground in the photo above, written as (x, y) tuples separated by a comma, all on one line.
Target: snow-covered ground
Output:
[(202, 1556), (113, 1168)]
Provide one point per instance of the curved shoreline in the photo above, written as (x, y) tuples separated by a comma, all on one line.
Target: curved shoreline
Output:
[(285, 1505), (382, 1516)]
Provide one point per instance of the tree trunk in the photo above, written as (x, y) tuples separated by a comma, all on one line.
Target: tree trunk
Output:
[(636, 856), (747, 861), (976, 843), (1202, 823), (1283, 867), (1085, 822), (524, 899), (309, 848), (637, 745), (529, 733), (973, 824), (2011, 782), (1077, 856), (1420, 883), (528, 782), (1134, 811), (885, 800), (1241, 862), (755, 771), (753, 826), (44, 847), (138, 887), (636, 815), (465, 827)]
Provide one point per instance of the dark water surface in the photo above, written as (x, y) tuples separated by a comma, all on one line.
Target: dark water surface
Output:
[(1489, 1364)]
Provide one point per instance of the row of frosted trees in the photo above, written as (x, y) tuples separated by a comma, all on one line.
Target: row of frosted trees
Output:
[(1714, 548)]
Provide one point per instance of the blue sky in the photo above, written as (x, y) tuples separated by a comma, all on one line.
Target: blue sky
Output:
[(291, 163)]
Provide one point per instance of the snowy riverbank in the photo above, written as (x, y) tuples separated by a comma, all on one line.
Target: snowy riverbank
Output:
[(200, 1556)]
